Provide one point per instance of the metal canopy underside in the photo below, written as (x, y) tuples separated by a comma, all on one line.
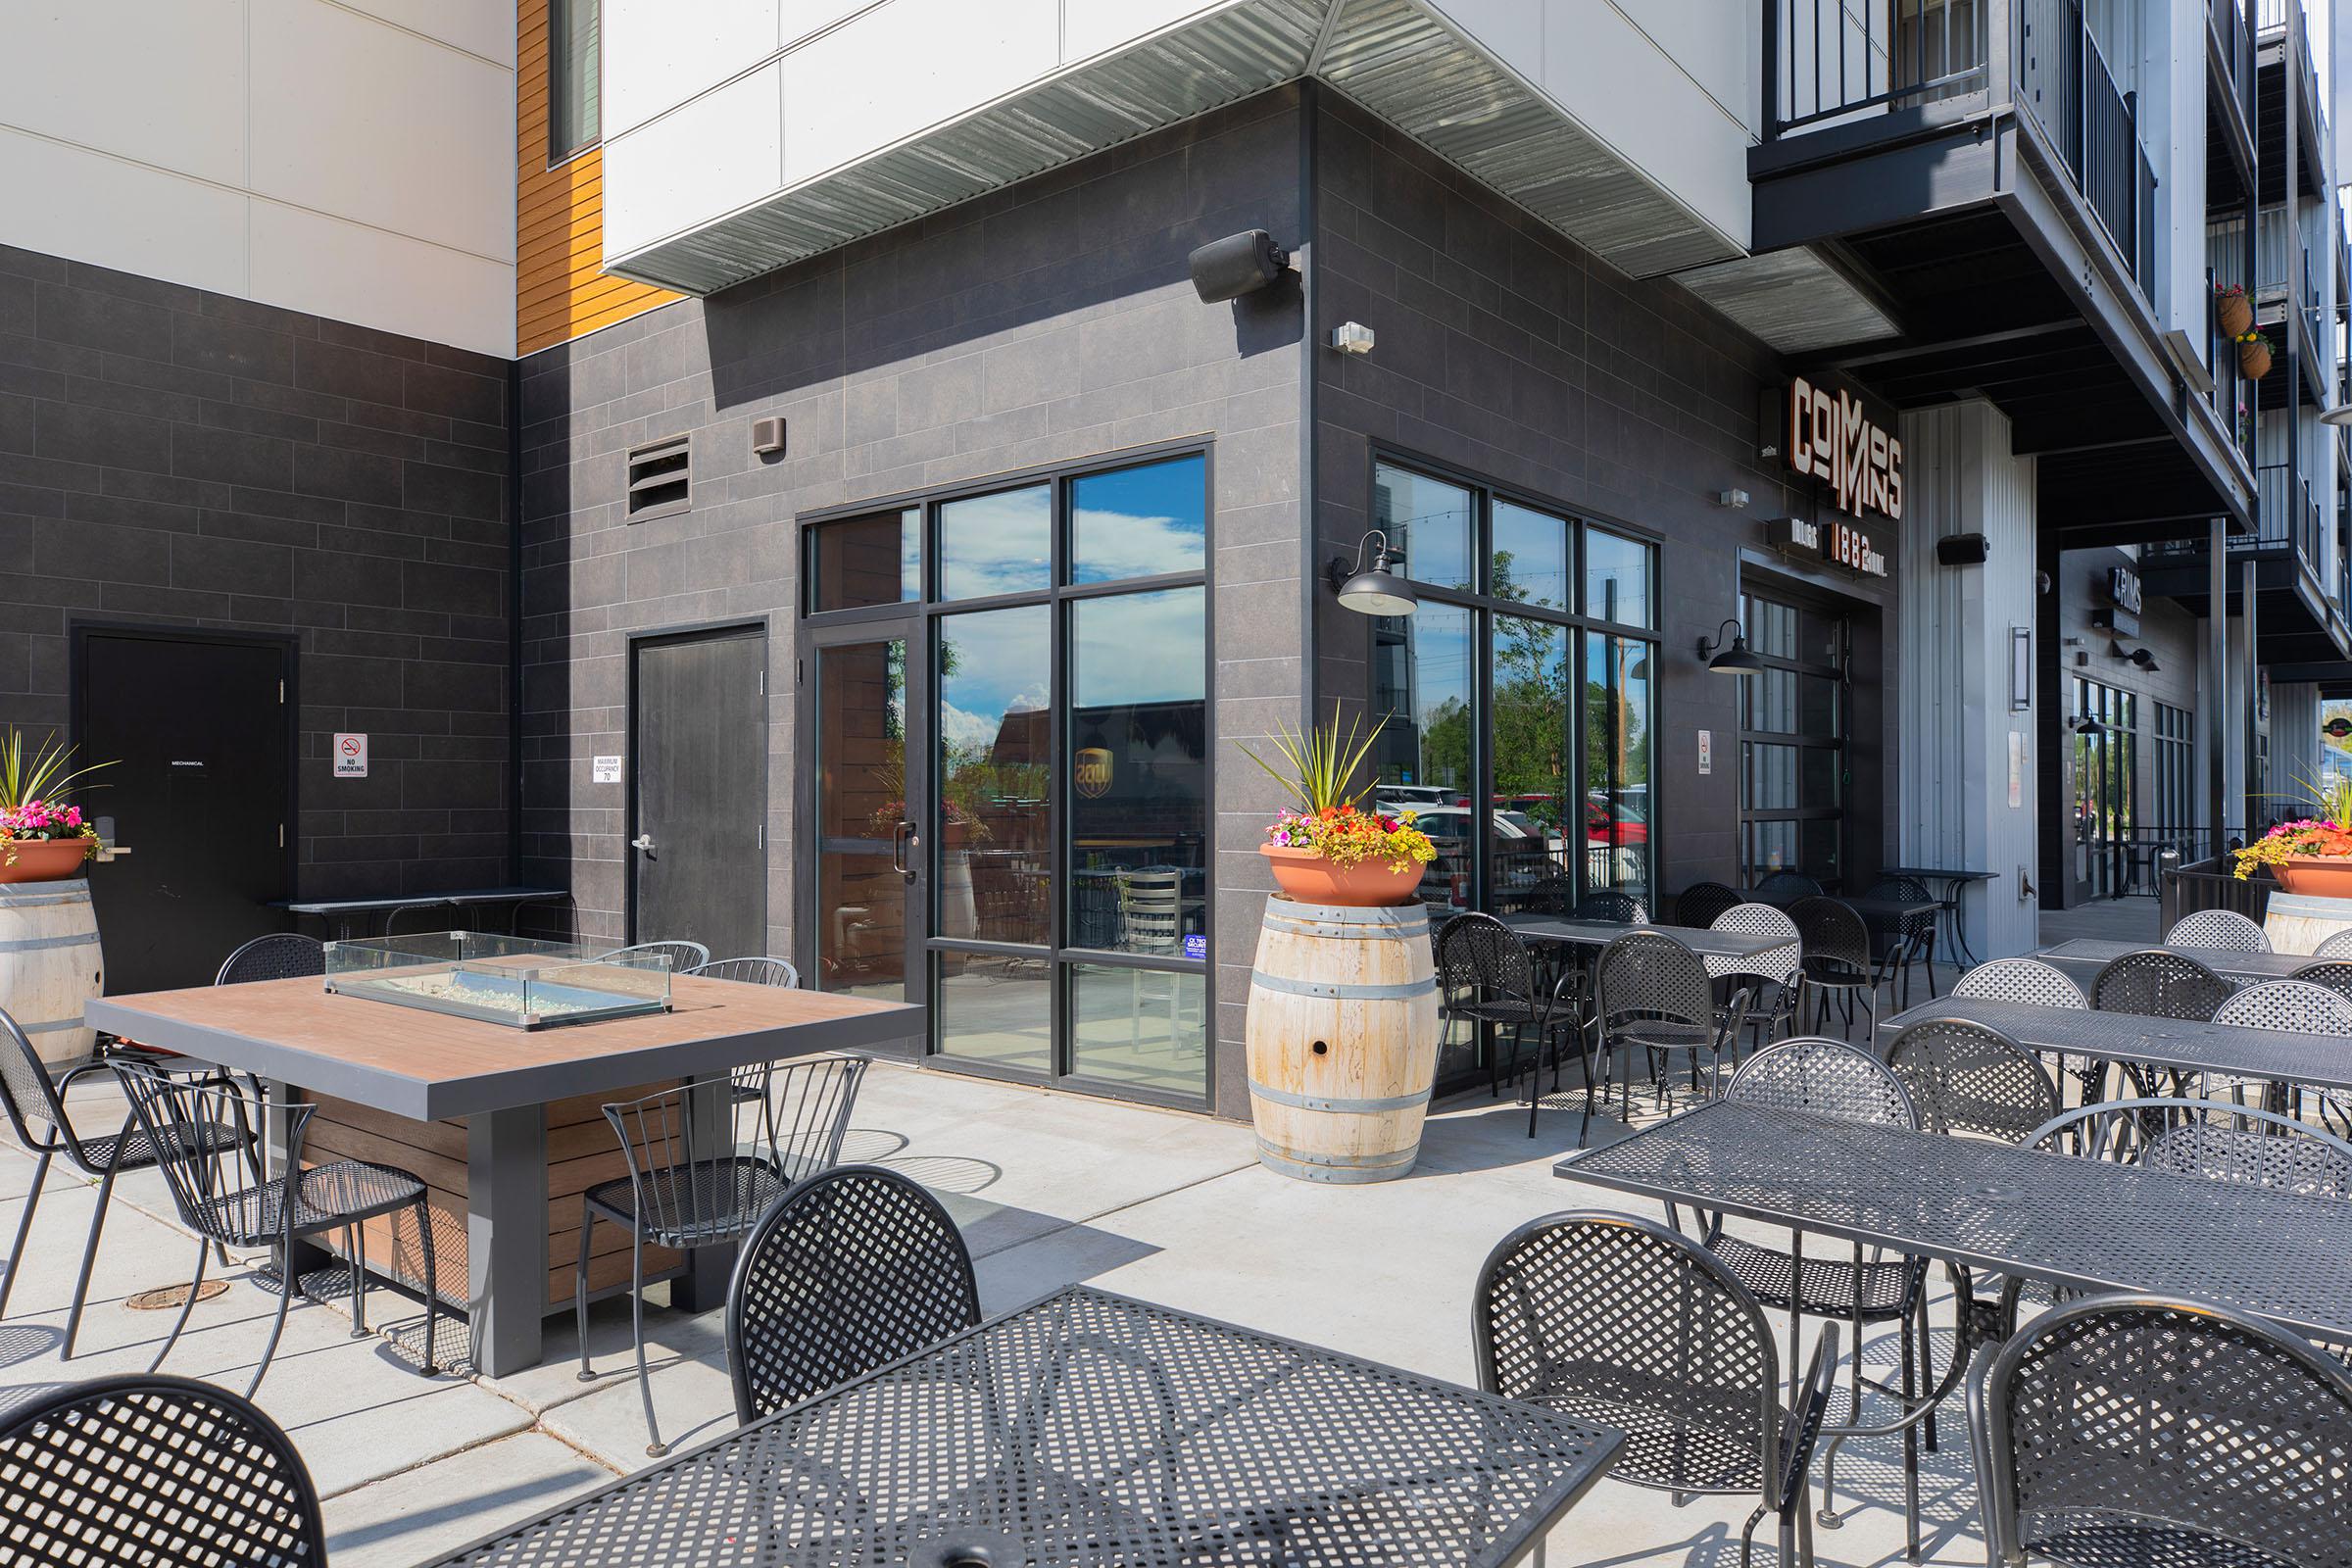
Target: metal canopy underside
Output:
[(1395, 57)]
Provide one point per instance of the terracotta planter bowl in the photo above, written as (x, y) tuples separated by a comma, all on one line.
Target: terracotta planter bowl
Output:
[(42, 860), (1312, 879), (2321, 876)]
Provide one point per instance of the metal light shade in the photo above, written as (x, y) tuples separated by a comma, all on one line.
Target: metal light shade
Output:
[(1735, 659), (1378, 591), (2337, 415)]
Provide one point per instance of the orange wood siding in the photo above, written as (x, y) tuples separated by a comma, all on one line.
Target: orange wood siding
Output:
[(561, 287)]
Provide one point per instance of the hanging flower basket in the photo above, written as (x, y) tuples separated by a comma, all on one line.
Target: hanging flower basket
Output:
[(2254, 357), (2232, 310)]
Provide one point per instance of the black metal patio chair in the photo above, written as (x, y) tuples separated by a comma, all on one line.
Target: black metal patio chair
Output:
[(36, 1113), (1653, 994), (1780, 967), (2027, 980), (2155, 984), (1623, 1321), (2142, 1431), (2226, 930), (1700, 904), (2297, 1007), (1785, 888), (161, 1470), (756, 971), (1838, 961), (1963, 1077), (1488, 978), (1898, 941), (705, 1162), (228, 1199), (2333, 973), (279, 956), (851, 1269), (2338, 946)]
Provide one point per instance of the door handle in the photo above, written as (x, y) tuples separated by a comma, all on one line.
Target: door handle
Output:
[(902, 839), (643, 841)]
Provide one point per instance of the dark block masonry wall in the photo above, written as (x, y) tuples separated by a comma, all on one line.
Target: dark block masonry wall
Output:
[(171, 457)]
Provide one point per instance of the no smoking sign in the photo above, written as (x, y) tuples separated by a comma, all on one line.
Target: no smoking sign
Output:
[(351, 757)]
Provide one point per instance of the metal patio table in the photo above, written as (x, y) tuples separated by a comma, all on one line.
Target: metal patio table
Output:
[(2082, 957), (1948, 900), (499, 1120), (347, 917), (2180, 1044), (1706, 942), (1090, 1428), (2093, 1225)]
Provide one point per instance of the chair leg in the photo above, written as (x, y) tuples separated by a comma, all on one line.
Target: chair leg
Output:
[(287, 1285), (432, 1293), (355, 1241), (580, 1291), (89, 1256), (655, 1448), (195, 1289), (15, 1254)]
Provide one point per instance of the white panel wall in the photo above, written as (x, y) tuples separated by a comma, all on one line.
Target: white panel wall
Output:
[(1957, 727), (353, 160), (711, 155)]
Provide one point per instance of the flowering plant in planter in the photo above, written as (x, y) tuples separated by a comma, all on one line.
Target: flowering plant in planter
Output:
[(41, 822), (1347, 836), (2312, 854), (30, 812), (1328, 850)]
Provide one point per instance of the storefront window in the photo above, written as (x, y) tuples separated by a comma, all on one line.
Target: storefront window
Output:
[(1620, 723), (1528, 563), (1617, 575), (997, 544), (1422, 685), (1532, 771), (1792, 742), (1139, 773), (994, 755), (1427, 521), (1141, 1028), (866, 560), (1138, 522)]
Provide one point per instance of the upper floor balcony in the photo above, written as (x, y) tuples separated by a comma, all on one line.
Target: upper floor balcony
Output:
[(2292, 308), (2297, 558)]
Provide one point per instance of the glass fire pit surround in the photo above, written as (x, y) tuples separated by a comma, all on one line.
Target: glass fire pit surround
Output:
[(517, 981)]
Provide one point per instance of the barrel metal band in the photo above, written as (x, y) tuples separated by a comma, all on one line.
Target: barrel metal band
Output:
[(75, 939), (75, 893), (1369, 1108), (1344, 992), (1334, 1167), (47, 1025), (1331, 932)]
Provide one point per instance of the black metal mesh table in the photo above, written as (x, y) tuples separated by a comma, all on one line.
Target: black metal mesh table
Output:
[(2082, 957), (2091, 1224), (1707, 944), (2281, 1056), (1092, 1429)]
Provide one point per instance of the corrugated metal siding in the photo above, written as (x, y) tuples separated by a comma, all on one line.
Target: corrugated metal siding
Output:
[(1953, 668), (2294, 742), (1392, 55)]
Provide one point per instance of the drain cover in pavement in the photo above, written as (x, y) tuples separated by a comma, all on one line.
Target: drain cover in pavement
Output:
[(174, 1296)]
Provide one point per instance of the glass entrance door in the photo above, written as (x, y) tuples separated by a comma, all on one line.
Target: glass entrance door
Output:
[(1792, 765), (870, 880), (2106, 739)]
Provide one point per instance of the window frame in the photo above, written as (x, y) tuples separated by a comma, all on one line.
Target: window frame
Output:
[(558, 155)]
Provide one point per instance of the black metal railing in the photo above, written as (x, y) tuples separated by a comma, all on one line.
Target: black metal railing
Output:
[(1829, 59), (2213, 884), (2285, 514), (2063, 80)]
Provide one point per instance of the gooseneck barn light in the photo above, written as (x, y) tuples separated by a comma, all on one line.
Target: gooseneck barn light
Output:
[(1734, 660), (1375, 590)]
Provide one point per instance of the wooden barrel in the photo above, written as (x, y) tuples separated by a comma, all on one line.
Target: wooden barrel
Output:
[(50, 963), (1342, 1039), (2298, 922)]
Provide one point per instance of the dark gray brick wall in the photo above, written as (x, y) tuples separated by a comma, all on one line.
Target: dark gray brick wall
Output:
[(171, 457), (1047, 323), (1506, 352)]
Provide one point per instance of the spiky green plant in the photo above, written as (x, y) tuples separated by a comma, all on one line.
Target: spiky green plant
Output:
[(1321, 764), (39, 776)]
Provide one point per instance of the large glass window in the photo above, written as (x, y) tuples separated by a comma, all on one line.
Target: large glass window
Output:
[(1502, 695), (1792, 743), (995, 758), (1138, 772), (861, 562), (573, 119), (1140, 523), (997, 544)]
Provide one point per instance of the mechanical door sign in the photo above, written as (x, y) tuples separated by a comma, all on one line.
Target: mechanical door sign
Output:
[(351, 756)]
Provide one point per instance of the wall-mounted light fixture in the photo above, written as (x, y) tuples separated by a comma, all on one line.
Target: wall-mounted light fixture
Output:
[(2337, 415), (1736, 499), (1374, 590), (1731, 660), (2085, 724), (1351, 337)]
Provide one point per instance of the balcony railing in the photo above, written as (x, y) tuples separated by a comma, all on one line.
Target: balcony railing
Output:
[(1843, 61), (2238, 48), (2287, 516)]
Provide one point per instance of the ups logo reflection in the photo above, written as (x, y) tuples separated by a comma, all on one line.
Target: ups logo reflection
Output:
[(1093, 771)]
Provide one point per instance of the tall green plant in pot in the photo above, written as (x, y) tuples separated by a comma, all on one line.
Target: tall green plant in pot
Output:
[(1327, 848), (42, 836)]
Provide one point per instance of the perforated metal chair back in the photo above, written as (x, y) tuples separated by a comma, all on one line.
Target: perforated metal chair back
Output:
[(1553, 893), (2223, 929), (756, 971), (2333, 973), (684, 956), (1703, 903), (2338, 946), (1822, 1077), (2157, 984), (223, 1185), (280, 956), (2294, 1005), (1965, 1078), (1908, 889), (706, 1157), (2027, 980), (2136, 1429), (1786, 887), (1608, 904), (1479, 958), (2122, 1130), (1835, 941), (850, 1270), (2259, 1148), (29, 1096), (1151, 909), (1649, 975), (1762, 920), (160, 1470)]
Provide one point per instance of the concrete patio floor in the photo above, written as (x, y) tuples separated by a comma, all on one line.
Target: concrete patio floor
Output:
[(1048, 1188)]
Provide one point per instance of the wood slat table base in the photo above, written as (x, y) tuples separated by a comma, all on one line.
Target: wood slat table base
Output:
[(581, 1152)]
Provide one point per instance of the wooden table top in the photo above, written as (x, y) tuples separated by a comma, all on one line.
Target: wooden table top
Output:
[(429, 1066)]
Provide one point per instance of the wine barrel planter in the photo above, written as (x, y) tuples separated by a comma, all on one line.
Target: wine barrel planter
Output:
[(1343, 1038), (50, 963)]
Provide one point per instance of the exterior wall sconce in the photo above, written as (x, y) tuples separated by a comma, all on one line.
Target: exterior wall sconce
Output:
[(1351, 337), (2085, 724), (2340, 415), (1736, 499), (1734, 660), (1376, 590)]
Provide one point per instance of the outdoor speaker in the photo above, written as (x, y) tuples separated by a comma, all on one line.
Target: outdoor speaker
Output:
[(1237, 265), (767, 435), (1962, 550)]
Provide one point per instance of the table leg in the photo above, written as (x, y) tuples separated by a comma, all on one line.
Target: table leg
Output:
[(1955, 891), (505, 1236), (306, 1254)]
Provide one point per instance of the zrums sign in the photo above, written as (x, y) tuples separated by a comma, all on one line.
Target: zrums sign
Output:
[(1831, 437)]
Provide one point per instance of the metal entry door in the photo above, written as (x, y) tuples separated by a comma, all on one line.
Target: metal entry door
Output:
[(698, 796)]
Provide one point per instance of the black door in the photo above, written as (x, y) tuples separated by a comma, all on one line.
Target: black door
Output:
[(699, 791), (201, 731)]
